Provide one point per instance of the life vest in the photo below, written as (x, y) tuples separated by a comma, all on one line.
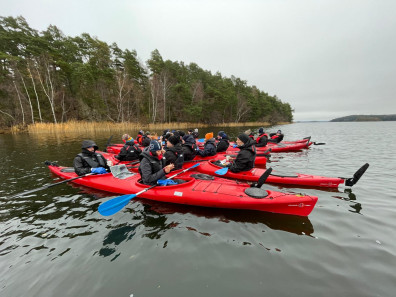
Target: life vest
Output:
[(139, 139), (260, 136), (91, 162)]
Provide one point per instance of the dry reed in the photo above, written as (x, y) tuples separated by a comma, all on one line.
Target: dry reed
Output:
[(83, 126)]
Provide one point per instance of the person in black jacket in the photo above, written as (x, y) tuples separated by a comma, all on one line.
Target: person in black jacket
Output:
[(244, 161), (223, 143), (262, 139), (150, 168), (276, 137), (89, 160), (209, 146), (189, 146), (174, 153), (130, 151)]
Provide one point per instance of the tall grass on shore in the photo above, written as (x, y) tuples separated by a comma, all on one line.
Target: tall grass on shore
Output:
[(83, 126)]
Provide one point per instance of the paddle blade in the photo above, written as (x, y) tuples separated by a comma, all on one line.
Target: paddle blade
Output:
[(264, 177), (222, 171), (358, 174), (114, 205), (195, 165), (319, 143)]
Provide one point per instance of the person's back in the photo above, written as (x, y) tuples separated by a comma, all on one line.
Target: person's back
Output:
[(262, 139), (89, 160), (244, 161), (209, 146), (130, 151), (189, 147), (223, 143)]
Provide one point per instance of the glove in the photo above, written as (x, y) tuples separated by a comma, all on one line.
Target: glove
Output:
[(166, 182), (234, 145), (98, 170)]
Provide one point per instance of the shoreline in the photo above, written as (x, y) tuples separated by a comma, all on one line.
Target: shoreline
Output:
[(83, 126)]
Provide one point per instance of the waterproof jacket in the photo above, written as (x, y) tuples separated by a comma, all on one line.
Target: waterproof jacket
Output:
[(244, 161), (86, 160), (173, 155), (189, 147), (222, 145), (150, 168), (262, 140), (275, 138), (129, 152), (209, 148)]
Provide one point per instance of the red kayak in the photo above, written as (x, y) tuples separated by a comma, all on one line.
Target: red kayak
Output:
[(216, 192), (298, 179), (278, 147)]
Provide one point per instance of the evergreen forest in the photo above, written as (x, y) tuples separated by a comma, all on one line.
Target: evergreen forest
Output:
[(52, 78)]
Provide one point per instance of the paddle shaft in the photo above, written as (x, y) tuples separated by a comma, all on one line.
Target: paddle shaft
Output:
[(51, 185)]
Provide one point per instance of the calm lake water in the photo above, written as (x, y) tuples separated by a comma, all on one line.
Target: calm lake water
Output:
[(55, 243)]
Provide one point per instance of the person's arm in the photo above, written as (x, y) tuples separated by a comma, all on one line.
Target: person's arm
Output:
[(79, 166)]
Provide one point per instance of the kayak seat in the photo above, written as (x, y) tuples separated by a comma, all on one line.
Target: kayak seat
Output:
[(257, 193), (202, 176), (67, 169)]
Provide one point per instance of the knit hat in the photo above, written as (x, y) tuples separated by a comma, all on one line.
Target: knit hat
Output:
[(154, 146), (222, 134), (141, 132), (208, 136), (173, 140), (243, 137), (248, 132), (196, 130), (261, 130)]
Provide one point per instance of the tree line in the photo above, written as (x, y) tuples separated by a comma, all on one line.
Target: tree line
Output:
[(49, 77)]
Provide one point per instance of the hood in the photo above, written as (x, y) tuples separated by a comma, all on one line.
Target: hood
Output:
[(89, 143)]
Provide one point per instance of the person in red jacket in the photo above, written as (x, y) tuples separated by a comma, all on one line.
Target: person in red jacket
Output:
[(262, 139), (276, 137)]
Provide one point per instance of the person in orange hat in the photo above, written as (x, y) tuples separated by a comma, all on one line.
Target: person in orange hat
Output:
[(209, 146)]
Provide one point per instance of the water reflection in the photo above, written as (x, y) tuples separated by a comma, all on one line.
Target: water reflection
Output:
[(351, 197)]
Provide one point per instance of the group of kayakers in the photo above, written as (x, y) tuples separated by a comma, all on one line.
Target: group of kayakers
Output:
[(160, 155)]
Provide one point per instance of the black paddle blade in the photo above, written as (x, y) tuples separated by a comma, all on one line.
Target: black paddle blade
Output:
[(319, 143), (108, 143), (263, 178), (358, 174)]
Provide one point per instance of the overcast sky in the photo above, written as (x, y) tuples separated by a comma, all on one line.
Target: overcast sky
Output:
[(327, 58)]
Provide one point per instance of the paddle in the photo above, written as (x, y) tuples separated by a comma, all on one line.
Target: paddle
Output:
[(222, 171), (51, 185), (264, 177), (108, 143), (318, 143), (358, 174), (114, 205)]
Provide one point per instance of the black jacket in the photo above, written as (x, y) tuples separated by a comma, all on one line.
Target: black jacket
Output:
[(86, 160), (129, 152), (244, 161), (209, 148), (189, 147), (174, 155), (278, 139), (222, 145), (150, 168)]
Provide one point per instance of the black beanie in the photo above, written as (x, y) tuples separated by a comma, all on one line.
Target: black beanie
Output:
[(243, 137), (173, 139)]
